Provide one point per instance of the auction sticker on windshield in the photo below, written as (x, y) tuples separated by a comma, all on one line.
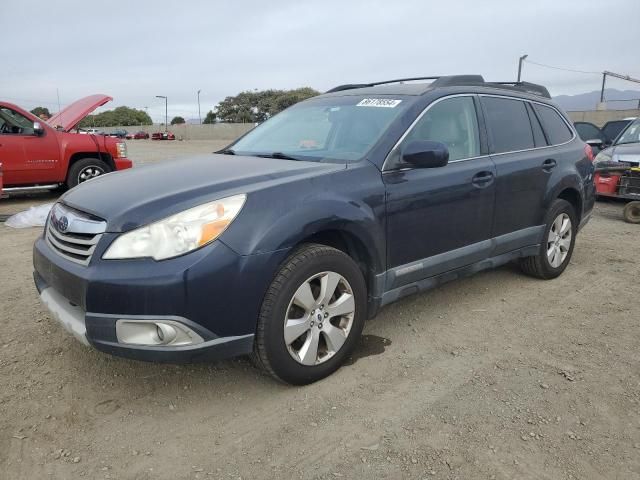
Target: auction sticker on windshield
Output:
[(378, 102)]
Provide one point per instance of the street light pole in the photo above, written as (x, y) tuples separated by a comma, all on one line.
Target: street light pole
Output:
[(522, 58), (166, 112), (199, 114)]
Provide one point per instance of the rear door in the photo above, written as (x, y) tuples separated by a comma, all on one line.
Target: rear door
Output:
[(523, 170), (439, 219), (524, 163)]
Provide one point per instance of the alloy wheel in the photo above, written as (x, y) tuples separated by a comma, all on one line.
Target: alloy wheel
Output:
[(89, 172), (559, 240), (319, 318)]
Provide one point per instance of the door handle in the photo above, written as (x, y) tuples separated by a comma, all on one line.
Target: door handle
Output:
[(549, 164), (482, 179)]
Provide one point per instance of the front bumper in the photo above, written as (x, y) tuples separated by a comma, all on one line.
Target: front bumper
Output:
[(123, 163), (213, 291)]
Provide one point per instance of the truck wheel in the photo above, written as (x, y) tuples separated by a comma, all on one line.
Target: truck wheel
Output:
[(86, 169), (557, 244), (631, 212), (311, 316)]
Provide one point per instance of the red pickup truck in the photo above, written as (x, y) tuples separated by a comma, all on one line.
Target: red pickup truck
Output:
[(37, 155)]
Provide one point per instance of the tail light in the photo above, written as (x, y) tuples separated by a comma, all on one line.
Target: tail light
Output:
[(588, 151)]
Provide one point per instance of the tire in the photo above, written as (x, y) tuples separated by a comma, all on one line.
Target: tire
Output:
[(546, 265), (631, 212), (303, 274), (86, 169)]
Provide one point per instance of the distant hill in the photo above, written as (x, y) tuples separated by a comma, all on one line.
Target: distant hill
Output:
[(588, 101)]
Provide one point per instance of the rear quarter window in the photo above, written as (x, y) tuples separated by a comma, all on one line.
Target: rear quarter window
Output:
[(509, 125), (554, 126)]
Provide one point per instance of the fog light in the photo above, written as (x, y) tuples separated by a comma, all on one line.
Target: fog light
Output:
[(166, 333), (155, 333)]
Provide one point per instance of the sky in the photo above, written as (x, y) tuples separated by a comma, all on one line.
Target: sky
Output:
[(135, 50)]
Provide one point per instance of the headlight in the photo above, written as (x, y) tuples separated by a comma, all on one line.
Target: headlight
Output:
[(121, 149), (602, 158), (178, 234)]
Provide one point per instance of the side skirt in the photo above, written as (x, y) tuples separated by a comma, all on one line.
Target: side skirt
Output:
[(390, 296)]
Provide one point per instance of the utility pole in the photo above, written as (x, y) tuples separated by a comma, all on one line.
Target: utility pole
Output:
[(199, 114), (166, 112), (522, 58), (616, 75)]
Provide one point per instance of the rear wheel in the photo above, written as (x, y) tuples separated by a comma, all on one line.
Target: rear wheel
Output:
[(311, 316), (631, 212), (86, 169), (557, 244)]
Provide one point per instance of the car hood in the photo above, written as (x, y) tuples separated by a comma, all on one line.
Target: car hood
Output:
[(70, 116), (628, 152), (131, 198)]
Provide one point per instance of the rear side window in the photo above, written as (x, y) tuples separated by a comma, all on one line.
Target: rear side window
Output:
[(508, 124), (555, 127), (538, 134)]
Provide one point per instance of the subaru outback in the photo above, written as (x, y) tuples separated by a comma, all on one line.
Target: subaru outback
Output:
[(281, 245)]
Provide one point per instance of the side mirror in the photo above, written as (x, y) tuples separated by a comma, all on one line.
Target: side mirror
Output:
[(38, 129), (595, 143), (426, 154)]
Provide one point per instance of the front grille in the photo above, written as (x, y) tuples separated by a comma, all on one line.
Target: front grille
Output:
[(77, 247), (73, 234)]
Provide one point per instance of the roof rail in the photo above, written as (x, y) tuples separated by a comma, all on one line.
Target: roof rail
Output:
[(454, 80), (523, 87), (350, 86)]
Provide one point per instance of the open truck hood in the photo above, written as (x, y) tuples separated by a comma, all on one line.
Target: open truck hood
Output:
[(70, 116)]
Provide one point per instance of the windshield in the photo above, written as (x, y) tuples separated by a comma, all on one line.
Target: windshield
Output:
[(332, 128), (631, 134)]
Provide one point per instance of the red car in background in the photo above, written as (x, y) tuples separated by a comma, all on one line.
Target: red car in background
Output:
[(38, 155), (163, 136), (137, 136)]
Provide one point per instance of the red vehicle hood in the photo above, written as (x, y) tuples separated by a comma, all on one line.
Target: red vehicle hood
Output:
[(69, 117)]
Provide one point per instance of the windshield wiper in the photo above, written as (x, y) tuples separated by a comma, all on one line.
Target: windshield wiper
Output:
[(227, 151), (279, 155), (626, 143)]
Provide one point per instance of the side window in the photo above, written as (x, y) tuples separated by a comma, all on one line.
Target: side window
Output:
[(538, 134), (454, 122), (508, 124), (14, 123), (555, 127)]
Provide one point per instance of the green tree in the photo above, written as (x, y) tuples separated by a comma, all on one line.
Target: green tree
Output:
[(210, 118), (41, 110), (120, 116), (257, 106), (177, 120)]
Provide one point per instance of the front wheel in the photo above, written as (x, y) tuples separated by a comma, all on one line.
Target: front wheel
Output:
[(312, 315), (86, 169), (557, 245)]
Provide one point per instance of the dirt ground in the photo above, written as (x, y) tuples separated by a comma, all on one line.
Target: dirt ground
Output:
[(498, 376)]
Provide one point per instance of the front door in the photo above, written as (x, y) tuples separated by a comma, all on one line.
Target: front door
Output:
[(440, 219), (27, 158)]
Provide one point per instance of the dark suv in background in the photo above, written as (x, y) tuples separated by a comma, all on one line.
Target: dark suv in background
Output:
[(282, 244)]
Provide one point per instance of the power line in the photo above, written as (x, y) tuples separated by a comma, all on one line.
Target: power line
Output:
[(561, 68)]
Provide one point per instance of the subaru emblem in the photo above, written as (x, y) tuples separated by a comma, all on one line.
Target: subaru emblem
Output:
[(63, 224)]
